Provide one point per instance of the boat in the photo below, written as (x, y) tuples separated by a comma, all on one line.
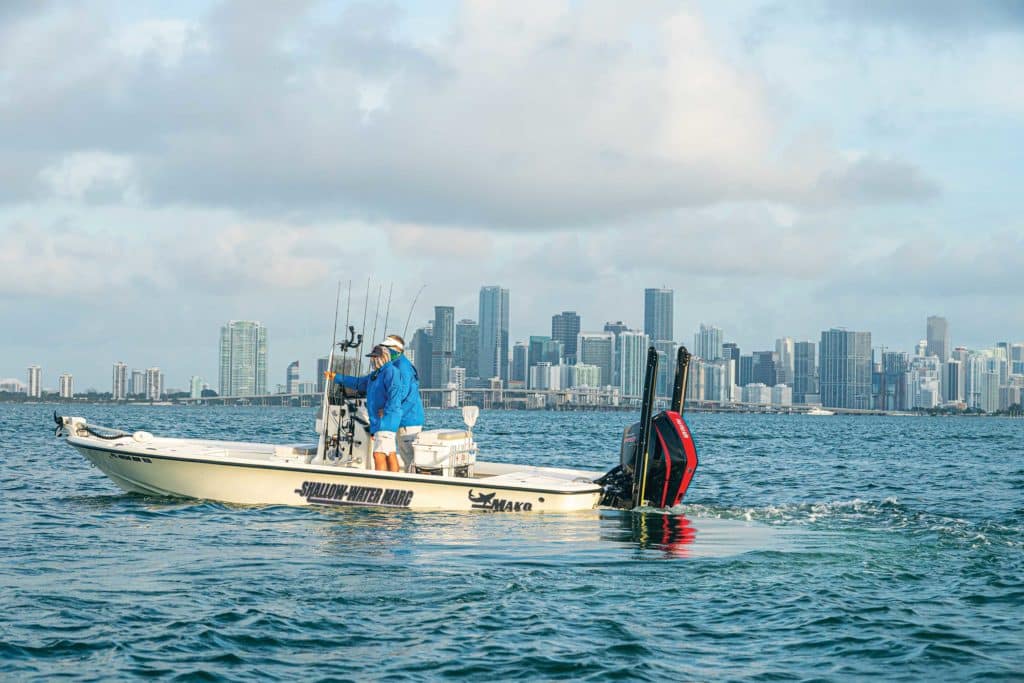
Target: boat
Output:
[(445, 473), (819, 411)]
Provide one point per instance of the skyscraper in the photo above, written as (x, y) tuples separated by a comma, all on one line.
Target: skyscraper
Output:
[(615, 328), (938, 338), (442, 346), (467, 346), (520, 364), (195, 387), (67, 387), (667, 351), (565, 327), (597, 348), (745, 372), (422, 354), (845, 369), (138, 383), (765, 369), (494, 325), (805, 372), (243, 359), (784, 360), (155, 384), (632, 362), (119, 384), (35, 382), (535, 349), (658, 314), (291, 379), (707, 342)]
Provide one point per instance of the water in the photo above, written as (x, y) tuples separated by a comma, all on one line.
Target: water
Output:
[(809, 548)]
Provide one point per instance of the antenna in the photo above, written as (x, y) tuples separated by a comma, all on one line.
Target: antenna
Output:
[(405, 332)]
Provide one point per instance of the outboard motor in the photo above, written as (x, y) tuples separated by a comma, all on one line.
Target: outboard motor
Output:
[(657, 458)]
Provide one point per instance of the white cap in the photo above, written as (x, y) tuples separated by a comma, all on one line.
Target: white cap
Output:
[(392, 343)]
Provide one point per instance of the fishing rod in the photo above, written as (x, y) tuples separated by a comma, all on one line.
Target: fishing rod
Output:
[(366, 305), (330, 365), (376, 314), (405, 332), (387, 312)]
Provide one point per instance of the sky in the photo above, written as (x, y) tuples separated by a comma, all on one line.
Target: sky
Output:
[(785, 167)]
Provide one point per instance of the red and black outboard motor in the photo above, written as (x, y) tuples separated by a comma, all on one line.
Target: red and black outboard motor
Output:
[(658, 457)]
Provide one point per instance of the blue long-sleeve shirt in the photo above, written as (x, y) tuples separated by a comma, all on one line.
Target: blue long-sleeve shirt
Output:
[(412, 405), (384, 391)]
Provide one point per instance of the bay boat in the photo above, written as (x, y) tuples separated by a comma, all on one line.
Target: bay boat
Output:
[(445, 473), (819, 411)]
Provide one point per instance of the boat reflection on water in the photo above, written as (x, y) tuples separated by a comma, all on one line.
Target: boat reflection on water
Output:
[(673, 534)]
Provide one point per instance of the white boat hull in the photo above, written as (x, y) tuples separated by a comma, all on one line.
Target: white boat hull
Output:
[(254, 477)]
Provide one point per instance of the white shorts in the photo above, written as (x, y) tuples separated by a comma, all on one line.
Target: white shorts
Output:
[(384, 442)]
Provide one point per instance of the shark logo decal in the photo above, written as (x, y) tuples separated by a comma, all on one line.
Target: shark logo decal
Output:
[(489, 501)]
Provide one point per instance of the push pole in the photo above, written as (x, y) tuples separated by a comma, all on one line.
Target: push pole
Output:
[(640, 458), (682, 376)]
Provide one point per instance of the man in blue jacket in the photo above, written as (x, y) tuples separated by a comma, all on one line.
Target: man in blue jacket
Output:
[(411, 422)]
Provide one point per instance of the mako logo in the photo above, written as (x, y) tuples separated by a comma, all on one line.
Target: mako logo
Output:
[(490, 501)]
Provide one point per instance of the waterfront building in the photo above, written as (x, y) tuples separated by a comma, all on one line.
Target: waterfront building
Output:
[(307, 388), (195, 387), (467, 346), (785, 358), (421, 347), (633, 361), (520, 364), (35, 382), (291, 382), (553, 351), (442, 345), (597, 348), (952, 390), (921, 348), (696, 382), (565, 327), (494, 325), (321, 368), (894, 391), (584, 375), (805, 371), (138, 383), (535, 350), (658, 308), (764, 370), (707, 342), (845, 369), (745, 373), (66, 386), (731, 351), (757, 393), (1017, 359), (616, 328), (243, 359), (719, 380), (923, 382), (937, 342), (119, 382), (154, 384), (782, 395), (12, 385), (545, 377), (667, 353), (457, 380)]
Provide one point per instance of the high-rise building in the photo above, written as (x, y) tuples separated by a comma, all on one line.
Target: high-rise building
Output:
[(805, 372), (845, 369), (321, 368), (535, 350), (938, 338), (467, 346), (765, 370), (565, 327), (442, 347), (1017, 359), (952, 392), (494, 326), (658, 307), (422, 353), (923, 382), (784, 356), (243, 358), (34, 388), (154, 384), (616, 328), (895, 388), (138, 383), (291, 380), (745, 373), (632, 363), (553, 351), (195, 387), (520, 364), (67, 389), (667, 352), (707, 342), (119, 382), (584, 375), (544, 377), (597, 348), (731, 351)]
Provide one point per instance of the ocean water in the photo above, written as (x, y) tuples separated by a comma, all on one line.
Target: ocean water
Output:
[(808, 548)]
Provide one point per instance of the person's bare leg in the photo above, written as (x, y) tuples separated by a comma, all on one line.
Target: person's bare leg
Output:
[(393, 463), (380, 461)]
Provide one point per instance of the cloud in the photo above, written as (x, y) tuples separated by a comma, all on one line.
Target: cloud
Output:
[(538, 115), (950, 17)]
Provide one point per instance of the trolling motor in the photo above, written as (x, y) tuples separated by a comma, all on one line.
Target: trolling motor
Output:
[(658, 457)]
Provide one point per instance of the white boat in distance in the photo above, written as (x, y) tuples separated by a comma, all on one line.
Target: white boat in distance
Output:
[(444, 474), (819, 411)]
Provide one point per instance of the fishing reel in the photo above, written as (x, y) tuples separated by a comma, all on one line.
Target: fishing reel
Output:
[(354, 340)]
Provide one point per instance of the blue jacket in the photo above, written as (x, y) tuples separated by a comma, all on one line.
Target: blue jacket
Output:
[(412, 405), (384, 391)]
